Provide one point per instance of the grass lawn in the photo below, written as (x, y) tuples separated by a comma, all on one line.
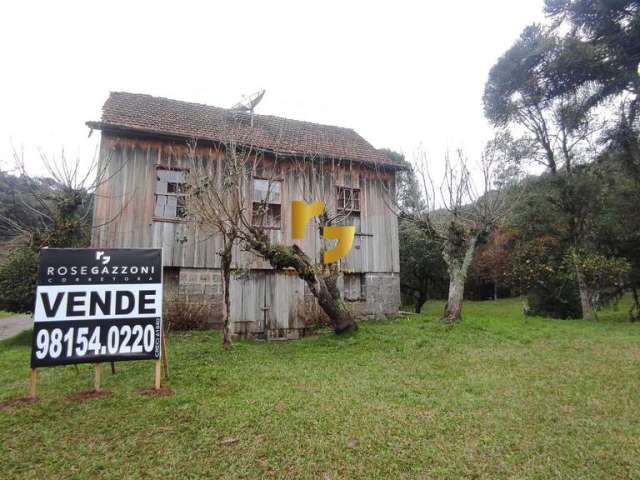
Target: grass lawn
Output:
[(5, 314), (497, 396)]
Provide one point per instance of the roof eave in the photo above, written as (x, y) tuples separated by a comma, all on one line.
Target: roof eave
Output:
[(116, 128)]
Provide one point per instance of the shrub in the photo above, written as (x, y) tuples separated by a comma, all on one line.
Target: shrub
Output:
[(540, 270), (559, 300), (18, 276), (604, 276)]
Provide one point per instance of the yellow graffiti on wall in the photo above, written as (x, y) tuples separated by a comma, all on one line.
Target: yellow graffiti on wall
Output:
[(302, 213)]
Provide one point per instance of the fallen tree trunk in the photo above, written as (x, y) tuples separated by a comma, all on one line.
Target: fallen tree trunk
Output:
[(323, 286)]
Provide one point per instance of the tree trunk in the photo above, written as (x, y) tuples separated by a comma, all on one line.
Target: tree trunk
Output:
[(421, 297), (226, 304), (458, 268), (634, 312), (326, 291), (322, 286), (453, 308), (495, 289), (586, 294)]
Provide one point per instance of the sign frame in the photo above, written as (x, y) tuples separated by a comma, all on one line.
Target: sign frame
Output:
[(96, 305)]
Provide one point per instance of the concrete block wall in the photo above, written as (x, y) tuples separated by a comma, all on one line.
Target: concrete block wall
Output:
[(202, 286), (381, 295)]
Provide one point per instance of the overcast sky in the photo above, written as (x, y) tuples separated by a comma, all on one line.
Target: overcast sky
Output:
[(400, 73)]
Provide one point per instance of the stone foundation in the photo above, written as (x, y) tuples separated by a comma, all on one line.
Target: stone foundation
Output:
[(382, 295), (379, 297), (199, 286), (369, 295)]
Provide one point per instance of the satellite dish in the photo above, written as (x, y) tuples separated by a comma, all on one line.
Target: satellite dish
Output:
[(249, 102)]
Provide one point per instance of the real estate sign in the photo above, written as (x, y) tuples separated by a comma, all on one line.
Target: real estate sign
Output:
[(97, 306)]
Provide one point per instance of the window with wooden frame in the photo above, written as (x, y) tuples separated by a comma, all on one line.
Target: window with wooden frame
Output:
[(170, 194), (267, 208), (348, 199), (348, 206)]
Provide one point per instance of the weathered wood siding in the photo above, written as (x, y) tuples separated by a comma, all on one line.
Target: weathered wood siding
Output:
[(125, 203), (265, 301)]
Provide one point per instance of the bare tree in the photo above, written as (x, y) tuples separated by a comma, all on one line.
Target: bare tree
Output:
[(458, 214), (49, 211), (216, 200), (60, 204), (226, 204), (316, 176)]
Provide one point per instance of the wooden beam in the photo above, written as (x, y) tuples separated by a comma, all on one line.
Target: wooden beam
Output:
[(33, 388), (158, 372), (97, 377)]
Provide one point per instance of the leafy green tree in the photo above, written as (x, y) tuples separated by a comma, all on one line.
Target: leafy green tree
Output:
[(556, 85), (545, 222), (623, 142), (603, 276), (559, 133), (601, 49), (618, 225), (423, 272), (541, 243), (539, 269), (408, 196), (18, 276)]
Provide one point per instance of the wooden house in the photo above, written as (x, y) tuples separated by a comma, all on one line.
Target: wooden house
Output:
[(141, 204)]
